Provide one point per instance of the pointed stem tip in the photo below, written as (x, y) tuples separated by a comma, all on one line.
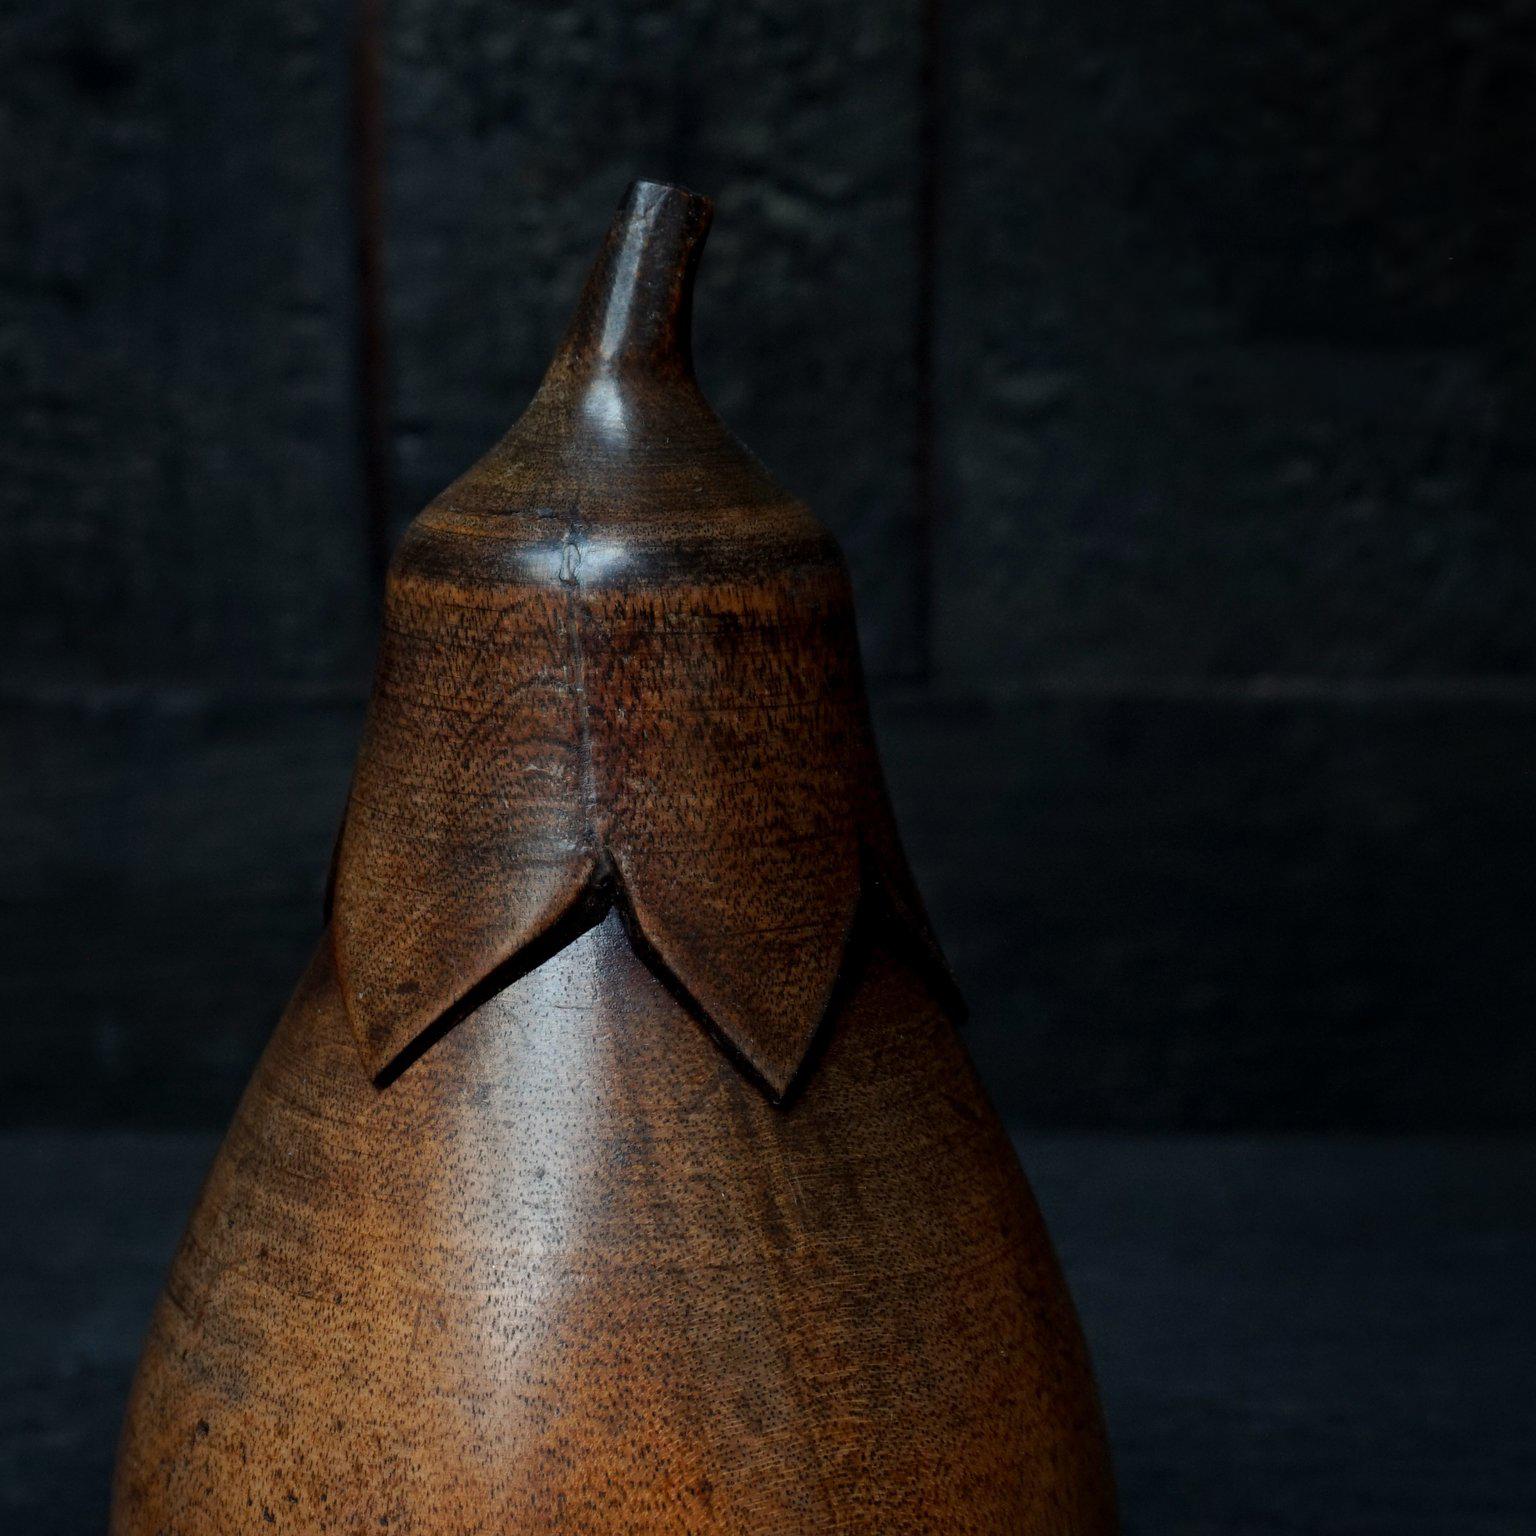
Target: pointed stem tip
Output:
[(637, 307)]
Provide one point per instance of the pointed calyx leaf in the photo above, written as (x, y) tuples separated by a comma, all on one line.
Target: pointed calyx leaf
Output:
[(465, 838), (731, 811)]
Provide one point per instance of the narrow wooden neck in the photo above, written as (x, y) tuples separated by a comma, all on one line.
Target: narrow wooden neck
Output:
[(635, 314)]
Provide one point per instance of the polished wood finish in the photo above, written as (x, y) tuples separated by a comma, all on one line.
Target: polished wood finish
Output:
[(616, 1167)]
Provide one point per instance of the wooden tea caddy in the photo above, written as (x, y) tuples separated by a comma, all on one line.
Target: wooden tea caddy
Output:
[(616, 1167)]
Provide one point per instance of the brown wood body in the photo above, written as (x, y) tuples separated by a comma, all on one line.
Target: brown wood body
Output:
[(617, 1168), (573, 1272)]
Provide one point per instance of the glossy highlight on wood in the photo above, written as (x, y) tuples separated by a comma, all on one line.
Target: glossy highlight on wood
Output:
[(616, 1166)]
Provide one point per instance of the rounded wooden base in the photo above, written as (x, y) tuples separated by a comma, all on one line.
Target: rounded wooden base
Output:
[(572, 1272)]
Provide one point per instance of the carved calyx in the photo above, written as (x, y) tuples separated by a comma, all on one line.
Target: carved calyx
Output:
[(618, 664)]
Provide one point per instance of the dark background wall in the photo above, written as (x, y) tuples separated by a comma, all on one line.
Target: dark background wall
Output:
[(1166, 371)]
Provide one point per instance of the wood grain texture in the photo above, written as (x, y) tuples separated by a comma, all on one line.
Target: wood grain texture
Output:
[(1236, 340), (1254, 910), (1386, 1378), (616, 1166), (179, 501), (1262, 908), (617, 654), (571, 1272)]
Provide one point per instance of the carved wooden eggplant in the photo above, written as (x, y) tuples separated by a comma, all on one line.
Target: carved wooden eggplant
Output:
[(616, 1167)]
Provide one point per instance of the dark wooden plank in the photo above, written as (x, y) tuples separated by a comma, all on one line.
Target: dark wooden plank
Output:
[(99, 1218), (178, 479), (1239, 910), (514, 130), (1298, 1334), (163, 861), (1235, 332)]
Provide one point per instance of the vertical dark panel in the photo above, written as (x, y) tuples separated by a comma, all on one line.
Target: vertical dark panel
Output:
[(1238, 313), (183, 570), (368, 175), (1236, 619), (178, 481), (925, 468), (515, 130)]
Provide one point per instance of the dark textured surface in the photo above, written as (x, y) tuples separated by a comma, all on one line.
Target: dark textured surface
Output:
[(162, 862), (1303, 907), (1237, 319), (1292, 1336), (178, 499), (1234, 641)]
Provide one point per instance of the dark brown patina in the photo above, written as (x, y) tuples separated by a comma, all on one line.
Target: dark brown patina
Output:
[(616, 1167)]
